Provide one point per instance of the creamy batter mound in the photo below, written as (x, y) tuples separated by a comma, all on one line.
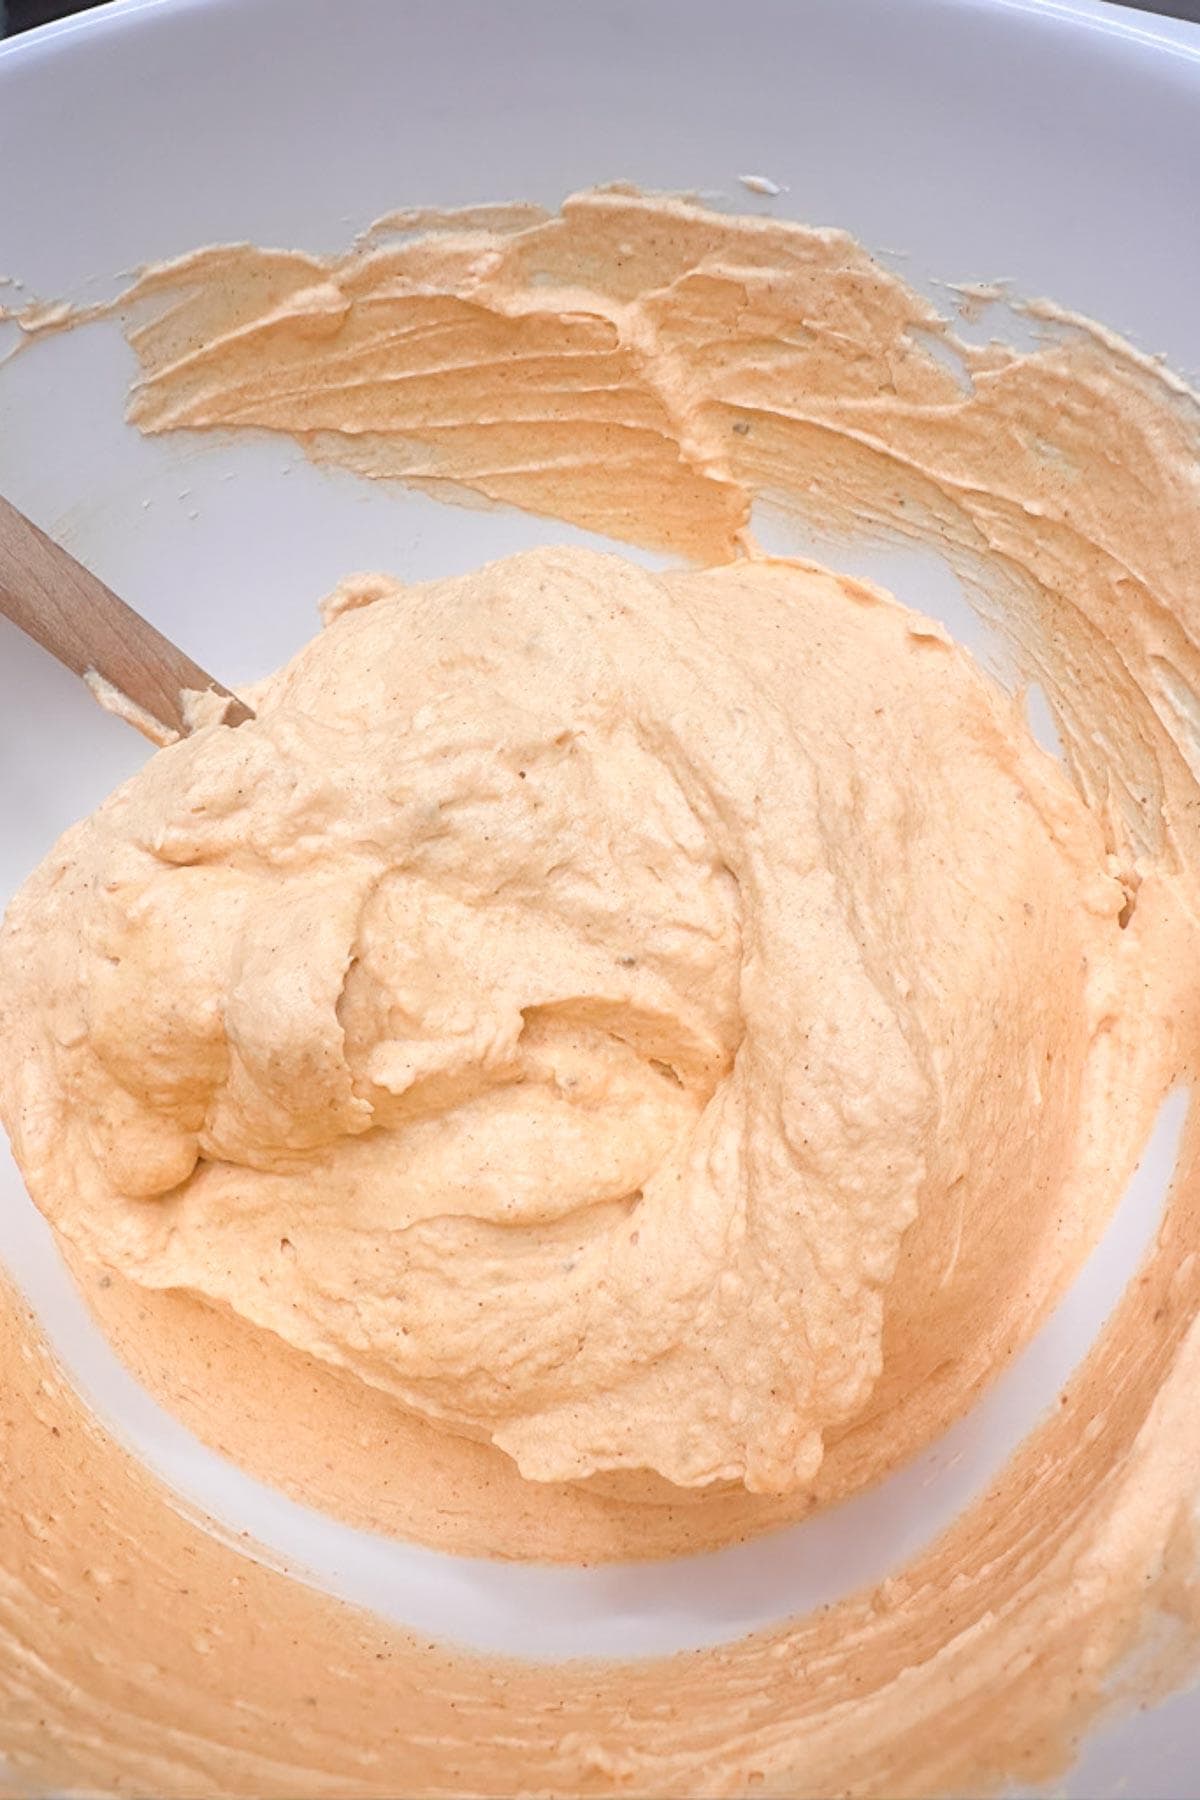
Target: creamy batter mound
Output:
[(607, 1062)]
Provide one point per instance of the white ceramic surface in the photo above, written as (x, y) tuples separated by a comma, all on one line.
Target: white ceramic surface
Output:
[(1051, 143)]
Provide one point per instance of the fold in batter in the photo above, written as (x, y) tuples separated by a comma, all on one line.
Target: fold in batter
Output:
[(649, 1046), (558, 1003)]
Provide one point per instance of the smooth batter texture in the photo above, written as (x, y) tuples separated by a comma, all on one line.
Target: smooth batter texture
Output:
[(673, 1032)]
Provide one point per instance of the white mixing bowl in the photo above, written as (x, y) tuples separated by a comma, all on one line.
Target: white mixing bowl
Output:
[(1054, 143)]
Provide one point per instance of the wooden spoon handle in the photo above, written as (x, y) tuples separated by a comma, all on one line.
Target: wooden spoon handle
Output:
[(70, 612)]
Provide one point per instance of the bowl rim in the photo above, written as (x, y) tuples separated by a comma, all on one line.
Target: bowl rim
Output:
[(1130, 30)]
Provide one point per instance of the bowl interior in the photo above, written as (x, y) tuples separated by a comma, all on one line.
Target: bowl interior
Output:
[(1050, 145)]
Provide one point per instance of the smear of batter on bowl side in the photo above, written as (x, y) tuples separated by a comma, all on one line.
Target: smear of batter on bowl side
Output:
[(650, 1047)]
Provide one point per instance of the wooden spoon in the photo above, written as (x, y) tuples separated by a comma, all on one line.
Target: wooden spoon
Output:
[(70, 613)]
